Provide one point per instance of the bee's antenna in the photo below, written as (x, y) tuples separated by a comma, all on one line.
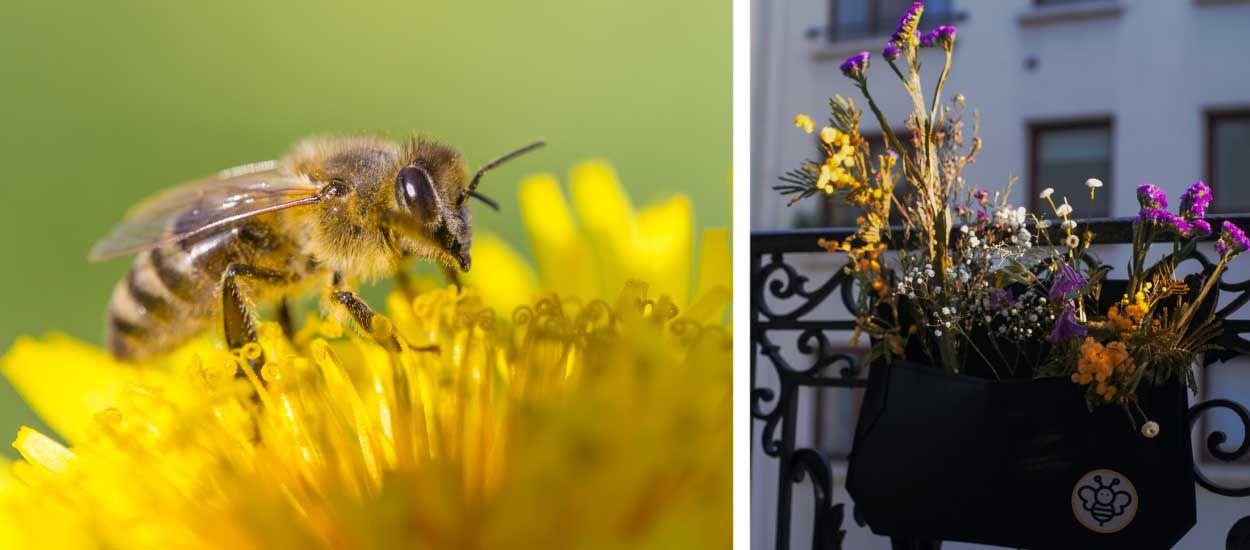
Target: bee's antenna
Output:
[(492, 164), (489, 202)]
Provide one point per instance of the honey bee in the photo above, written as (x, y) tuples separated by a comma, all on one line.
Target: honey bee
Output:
[(334, 211)]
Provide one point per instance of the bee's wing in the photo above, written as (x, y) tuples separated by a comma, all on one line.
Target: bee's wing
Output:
[(194, 208)]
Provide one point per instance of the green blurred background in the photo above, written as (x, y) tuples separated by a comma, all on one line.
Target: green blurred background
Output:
[(103, 103)]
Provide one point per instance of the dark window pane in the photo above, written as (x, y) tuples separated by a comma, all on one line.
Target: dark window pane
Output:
[(850, 14), (1230, 163), (1065, 159), (862, 18), (1058, 2)]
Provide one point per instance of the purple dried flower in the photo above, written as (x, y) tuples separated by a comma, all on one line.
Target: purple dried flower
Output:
[(1195, 201), (854, 65), (1066, 280), (982, 216), (1232, 241), (891, 52), (1173, 222), (1200, 228), (929, 39), (906, 32), (1151, 197), (1164, 219), (945, 36), (1149, 215), (1177, 224), (981, 195), (1002, 298), (1066, 327)]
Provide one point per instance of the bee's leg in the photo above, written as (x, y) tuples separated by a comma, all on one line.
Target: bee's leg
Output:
[(363, 315), (285, 319), (238, 322), (451, 274), (403, 282)]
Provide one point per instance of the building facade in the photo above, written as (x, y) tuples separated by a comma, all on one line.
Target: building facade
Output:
[(1129, 91)]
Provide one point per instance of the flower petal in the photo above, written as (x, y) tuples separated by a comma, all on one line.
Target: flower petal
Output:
[(713, 289), (715, 261), (559, 250), (607, 217), (65, 381), (665, 240), (43, 451), (501, 276)]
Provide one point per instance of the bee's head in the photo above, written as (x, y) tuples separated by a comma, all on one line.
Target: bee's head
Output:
[(431, 195)]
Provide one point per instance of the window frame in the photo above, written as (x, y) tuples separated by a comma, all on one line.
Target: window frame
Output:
[(1035, 129), (1053, 3), (1210, 118), (875, 26)]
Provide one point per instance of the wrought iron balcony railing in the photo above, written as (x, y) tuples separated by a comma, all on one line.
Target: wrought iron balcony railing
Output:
[(785, 301)]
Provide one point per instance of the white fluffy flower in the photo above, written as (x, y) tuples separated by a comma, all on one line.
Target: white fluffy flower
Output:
[(1064, 210), (1068, 224), (1093, 183), (1150, 429), (1046, 193), (1043, 224), (1073, 241)]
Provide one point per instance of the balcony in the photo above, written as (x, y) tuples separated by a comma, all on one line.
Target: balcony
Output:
[(796, 311)]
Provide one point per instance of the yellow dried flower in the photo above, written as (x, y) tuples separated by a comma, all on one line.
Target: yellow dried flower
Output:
[(805, 122)]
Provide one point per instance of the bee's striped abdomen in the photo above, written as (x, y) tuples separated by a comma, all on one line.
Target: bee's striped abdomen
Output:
[(161, 302), (171, 291)]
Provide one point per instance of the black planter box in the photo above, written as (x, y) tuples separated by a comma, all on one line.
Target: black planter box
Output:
[(1018, 463)]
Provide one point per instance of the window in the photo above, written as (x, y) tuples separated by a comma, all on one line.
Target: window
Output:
[(1063, 157), (1058, 2), (1228, 165), (850, 19)]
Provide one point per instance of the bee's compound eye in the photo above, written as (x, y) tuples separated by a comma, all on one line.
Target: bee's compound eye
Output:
[(416, 192)]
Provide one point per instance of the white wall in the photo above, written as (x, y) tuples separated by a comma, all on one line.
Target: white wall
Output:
[(1153, 66)]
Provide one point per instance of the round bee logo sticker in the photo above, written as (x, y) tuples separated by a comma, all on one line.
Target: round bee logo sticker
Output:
[(1104, 501)]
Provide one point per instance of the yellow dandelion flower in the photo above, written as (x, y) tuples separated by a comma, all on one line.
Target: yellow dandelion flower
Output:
[(496, 441)]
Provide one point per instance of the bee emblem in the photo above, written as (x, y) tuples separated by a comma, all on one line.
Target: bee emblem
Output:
[(1104, 501)]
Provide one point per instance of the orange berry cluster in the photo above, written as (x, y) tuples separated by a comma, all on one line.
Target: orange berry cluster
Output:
[(1105, 368), (865, 259)]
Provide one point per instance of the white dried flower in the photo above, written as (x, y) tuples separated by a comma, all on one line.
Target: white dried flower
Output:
[(1093, 183), (1046, 193), (1073, 241), (1064, 210), (1043, 224), (1068, 224), (1150, 429)]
